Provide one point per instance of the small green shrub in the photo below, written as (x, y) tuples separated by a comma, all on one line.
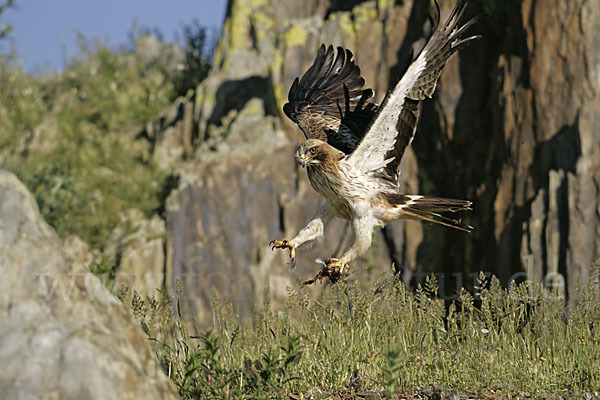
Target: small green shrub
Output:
[(198, 57), (5, 29), (105, 269)]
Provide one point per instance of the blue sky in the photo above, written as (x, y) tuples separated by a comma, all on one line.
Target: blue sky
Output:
[(44, 30)]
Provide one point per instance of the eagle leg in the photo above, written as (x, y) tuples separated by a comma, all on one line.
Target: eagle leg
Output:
[(283, 244)]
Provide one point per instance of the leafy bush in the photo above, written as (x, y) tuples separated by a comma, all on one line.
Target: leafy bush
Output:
[(22, 107), (5, 28), (91, 170), (198, 55)]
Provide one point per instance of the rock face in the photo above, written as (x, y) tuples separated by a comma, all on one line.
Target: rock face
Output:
[(138, 247), (512, 126), (516, 121), (62, 334)]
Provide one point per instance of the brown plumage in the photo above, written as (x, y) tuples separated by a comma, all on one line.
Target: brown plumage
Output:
[(329, 102), (354, 147)]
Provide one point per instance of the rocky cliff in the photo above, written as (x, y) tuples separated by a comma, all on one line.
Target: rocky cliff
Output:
[(62, 334), (512, 126)]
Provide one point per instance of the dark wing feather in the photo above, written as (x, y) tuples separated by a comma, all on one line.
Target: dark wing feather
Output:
[(394, 126), (329, 102), (442, 44), (406, 126)]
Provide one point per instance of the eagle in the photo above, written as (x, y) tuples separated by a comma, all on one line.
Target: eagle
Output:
[(353, 146)]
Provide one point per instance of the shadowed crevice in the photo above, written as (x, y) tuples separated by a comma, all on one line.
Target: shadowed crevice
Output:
[(234, 94), (415, 23)]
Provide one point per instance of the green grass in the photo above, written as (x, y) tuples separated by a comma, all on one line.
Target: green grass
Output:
[(386, 341)]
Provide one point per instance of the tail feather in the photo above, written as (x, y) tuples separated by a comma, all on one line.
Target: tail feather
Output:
[(430, 209)]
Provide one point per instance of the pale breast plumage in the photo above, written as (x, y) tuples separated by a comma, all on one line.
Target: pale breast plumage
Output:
[(331, 184)]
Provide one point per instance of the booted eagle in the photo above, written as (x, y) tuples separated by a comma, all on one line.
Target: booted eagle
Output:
[(353, 147)]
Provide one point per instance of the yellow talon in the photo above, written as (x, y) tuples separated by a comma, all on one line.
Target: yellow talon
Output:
[(336, 265), (283, 244)]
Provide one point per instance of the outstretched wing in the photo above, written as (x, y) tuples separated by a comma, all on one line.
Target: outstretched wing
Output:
[(329, 102), (394, 126)]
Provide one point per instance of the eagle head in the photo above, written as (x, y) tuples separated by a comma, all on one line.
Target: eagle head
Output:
[(314, 152)]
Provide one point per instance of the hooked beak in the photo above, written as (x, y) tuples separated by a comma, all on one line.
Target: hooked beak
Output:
[(301, 159)]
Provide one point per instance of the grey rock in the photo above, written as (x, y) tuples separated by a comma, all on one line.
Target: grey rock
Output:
[(78, 254), (62, 334), (171, 148), (138, 244), (45, 137), (171, 133)]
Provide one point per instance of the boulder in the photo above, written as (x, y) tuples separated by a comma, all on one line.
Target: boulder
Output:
[(137, 245), (62, 334), (78, 254)]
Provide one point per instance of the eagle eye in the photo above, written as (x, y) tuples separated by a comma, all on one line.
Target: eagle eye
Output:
[(313, 150)]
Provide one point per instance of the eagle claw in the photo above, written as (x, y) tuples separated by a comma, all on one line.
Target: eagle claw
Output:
[(283, 244), (336, 265), (333, 268)]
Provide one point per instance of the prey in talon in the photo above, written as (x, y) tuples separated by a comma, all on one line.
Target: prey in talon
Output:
[(333, 269), (354, 146)]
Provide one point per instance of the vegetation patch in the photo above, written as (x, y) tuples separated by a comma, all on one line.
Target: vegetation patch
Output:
[(71, 137), (384, 342)]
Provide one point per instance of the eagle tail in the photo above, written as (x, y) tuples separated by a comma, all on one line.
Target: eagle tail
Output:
[(431, 209)]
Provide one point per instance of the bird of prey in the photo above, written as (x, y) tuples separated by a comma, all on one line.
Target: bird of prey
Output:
[(353, 147)]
